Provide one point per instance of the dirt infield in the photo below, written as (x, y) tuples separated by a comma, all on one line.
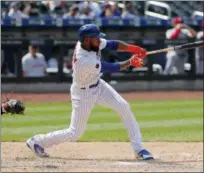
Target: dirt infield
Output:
[(65, 97), (105, 156)]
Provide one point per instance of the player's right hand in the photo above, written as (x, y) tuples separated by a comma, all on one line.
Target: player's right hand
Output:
[(136, 61)]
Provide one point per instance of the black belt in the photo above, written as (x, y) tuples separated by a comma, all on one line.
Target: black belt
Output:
[(92, 86)]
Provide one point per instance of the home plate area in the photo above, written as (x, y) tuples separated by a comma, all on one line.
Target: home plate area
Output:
[(105, 157)]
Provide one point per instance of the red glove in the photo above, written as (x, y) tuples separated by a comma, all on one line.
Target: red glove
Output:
[(140, 52), (136, 61)]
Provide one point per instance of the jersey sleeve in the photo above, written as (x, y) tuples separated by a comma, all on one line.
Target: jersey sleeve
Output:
[(110, 67), (103, 43), (110, 44), (172, 33)]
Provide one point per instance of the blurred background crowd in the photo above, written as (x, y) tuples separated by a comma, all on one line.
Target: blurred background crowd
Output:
[(180, 11), (90, 9)]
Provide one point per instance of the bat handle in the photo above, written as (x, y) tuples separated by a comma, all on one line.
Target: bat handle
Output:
[(160, 51), (151, 52)]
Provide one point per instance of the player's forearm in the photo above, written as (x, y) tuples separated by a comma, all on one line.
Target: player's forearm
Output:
[(124, 65), (114, 67), (124, 47), (193, 32)]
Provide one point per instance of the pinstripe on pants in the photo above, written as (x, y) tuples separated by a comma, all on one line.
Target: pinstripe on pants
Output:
[(83, 102)]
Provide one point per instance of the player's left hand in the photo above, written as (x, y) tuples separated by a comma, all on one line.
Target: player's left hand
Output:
[(136, 61), (14, 106)]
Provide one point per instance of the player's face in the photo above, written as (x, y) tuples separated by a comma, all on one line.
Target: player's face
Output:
[(32, 50), (94, 44)]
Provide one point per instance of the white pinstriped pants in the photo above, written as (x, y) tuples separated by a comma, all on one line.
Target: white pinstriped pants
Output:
[(82, 103)]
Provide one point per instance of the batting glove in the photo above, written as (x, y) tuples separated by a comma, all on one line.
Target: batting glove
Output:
[(136, 61), (140, 52)]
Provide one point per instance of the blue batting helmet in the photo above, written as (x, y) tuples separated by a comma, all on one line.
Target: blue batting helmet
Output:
[(91, 31)]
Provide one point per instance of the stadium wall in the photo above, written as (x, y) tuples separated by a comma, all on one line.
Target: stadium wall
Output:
[(196, 85)]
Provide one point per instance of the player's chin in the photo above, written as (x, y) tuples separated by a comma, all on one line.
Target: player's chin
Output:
[(95, 49)]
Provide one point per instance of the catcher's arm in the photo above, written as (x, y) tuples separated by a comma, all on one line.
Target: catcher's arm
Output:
[(12, 106)]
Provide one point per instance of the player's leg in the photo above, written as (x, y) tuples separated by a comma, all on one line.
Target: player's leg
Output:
[(170, 62), (110, 98), (199, 65), (81, 110), (180, 64)]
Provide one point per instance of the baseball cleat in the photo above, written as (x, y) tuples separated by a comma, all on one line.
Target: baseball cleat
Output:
[(144, 155), (35, 148)]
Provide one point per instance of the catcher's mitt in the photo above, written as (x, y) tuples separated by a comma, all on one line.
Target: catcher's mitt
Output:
[(14, 106)]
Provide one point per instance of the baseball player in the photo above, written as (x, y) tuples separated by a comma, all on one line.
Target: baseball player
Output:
[(177, 58), (88, 89), (199, 52)]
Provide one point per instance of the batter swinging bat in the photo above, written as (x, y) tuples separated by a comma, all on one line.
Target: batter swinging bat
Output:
[(179, 47)]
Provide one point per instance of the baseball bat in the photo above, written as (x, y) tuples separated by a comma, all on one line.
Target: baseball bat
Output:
[(179, 47)]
